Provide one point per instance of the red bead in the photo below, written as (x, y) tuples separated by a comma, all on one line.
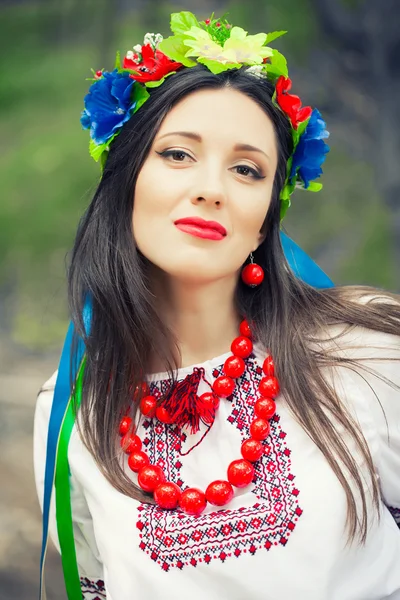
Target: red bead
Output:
[(244, 328), (125, 425), (219, 493), (209, 401), (253, 274), (193, 501), (223, 386), (208, 405), (234, 366), (252, 450), (130, 442), (268, 366), (163, 415), (167, 495), (240, 473), (149, 477), (242, 346), (148, 406), (137, 459), (265, 408), (259, 429), (99, 74), (269, 387)]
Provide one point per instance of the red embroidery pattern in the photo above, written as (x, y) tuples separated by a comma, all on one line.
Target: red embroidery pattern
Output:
[(93, 590), (174, 539)]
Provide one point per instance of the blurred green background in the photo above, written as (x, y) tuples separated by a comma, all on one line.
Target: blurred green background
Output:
[(343, 58), (47, 176)]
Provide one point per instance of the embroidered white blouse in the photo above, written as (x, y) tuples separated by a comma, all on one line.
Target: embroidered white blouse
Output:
[(283, 536)]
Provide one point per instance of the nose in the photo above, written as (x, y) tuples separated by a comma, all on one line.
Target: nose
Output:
[(210, 190)]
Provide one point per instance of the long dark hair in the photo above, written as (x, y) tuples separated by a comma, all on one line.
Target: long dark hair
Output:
[(287, 315)]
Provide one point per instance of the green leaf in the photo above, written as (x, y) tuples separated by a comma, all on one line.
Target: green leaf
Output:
[(302, 127), (154, 84), (273, 36), (118, 61), (183, 21), (96, 150), (285, 204), (277, 65), (289, 164), (139, 95), (174, 48), (285, 196), (314, 187), (103, 159), (217, 67)]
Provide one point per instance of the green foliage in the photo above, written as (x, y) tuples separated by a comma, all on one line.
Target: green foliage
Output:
[(181, 22), (174, 47)]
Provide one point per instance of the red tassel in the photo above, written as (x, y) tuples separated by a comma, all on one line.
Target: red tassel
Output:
[(184, 405)]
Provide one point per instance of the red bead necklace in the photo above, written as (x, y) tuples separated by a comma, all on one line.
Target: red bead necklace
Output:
[(240, 472)]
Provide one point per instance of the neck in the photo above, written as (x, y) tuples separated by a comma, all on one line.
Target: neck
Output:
[(201, 316)]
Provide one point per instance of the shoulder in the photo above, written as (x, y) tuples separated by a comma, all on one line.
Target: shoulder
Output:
[(49, 384), (44, 403), (377, 329)]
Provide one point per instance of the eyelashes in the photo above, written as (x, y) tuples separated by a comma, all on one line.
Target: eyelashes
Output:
[(254, 172)]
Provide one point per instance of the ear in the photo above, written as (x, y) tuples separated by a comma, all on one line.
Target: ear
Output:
[(260, 238)]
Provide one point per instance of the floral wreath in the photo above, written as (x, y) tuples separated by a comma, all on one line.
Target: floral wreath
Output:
[(115, 96)]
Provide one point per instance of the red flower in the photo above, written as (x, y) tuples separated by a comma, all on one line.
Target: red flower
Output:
[(290, 104), (154, 65)]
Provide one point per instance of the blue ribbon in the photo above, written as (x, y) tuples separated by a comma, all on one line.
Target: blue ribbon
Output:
[(301, 264), (62, 393)]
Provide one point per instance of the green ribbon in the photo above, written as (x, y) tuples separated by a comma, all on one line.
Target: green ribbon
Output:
[(63, 496)]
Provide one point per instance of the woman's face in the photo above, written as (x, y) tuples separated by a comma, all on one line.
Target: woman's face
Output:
[(214, 158)]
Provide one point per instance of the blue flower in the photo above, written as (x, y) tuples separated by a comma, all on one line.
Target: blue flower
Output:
[(108, 105), (311, 150)]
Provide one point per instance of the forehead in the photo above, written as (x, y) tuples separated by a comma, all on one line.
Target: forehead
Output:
[(224, 114)]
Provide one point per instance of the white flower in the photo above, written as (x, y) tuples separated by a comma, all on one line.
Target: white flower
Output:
[(257, 71), (138, 48)]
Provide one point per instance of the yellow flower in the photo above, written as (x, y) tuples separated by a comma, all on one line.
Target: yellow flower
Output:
[(249, 49), (238, 48), (202, 45)]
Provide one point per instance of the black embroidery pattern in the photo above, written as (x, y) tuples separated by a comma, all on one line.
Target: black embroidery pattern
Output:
[(93, 589), (174, 540), (395, 512)]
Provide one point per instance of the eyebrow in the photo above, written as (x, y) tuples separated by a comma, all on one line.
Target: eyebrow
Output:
[(195, 136)]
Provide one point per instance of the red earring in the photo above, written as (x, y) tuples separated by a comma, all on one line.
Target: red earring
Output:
[(252, 274)]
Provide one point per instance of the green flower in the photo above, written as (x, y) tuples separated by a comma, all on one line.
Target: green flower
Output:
[(248, 49), (239, 48), (202, 45)]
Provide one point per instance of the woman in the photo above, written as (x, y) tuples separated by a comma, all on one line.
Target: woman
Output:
[(197, 466)]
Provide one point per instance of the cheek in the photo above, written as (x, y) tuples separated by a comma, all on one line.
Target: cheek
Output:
[(153, 201), (251, 211)]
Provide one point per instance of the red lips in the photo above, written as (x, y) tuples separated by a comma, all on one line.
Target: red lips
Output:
[(203, 223)]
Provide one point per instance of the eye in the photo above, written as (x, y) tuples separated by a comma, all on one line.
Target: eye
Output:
[(176, 155), (247, 171)]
